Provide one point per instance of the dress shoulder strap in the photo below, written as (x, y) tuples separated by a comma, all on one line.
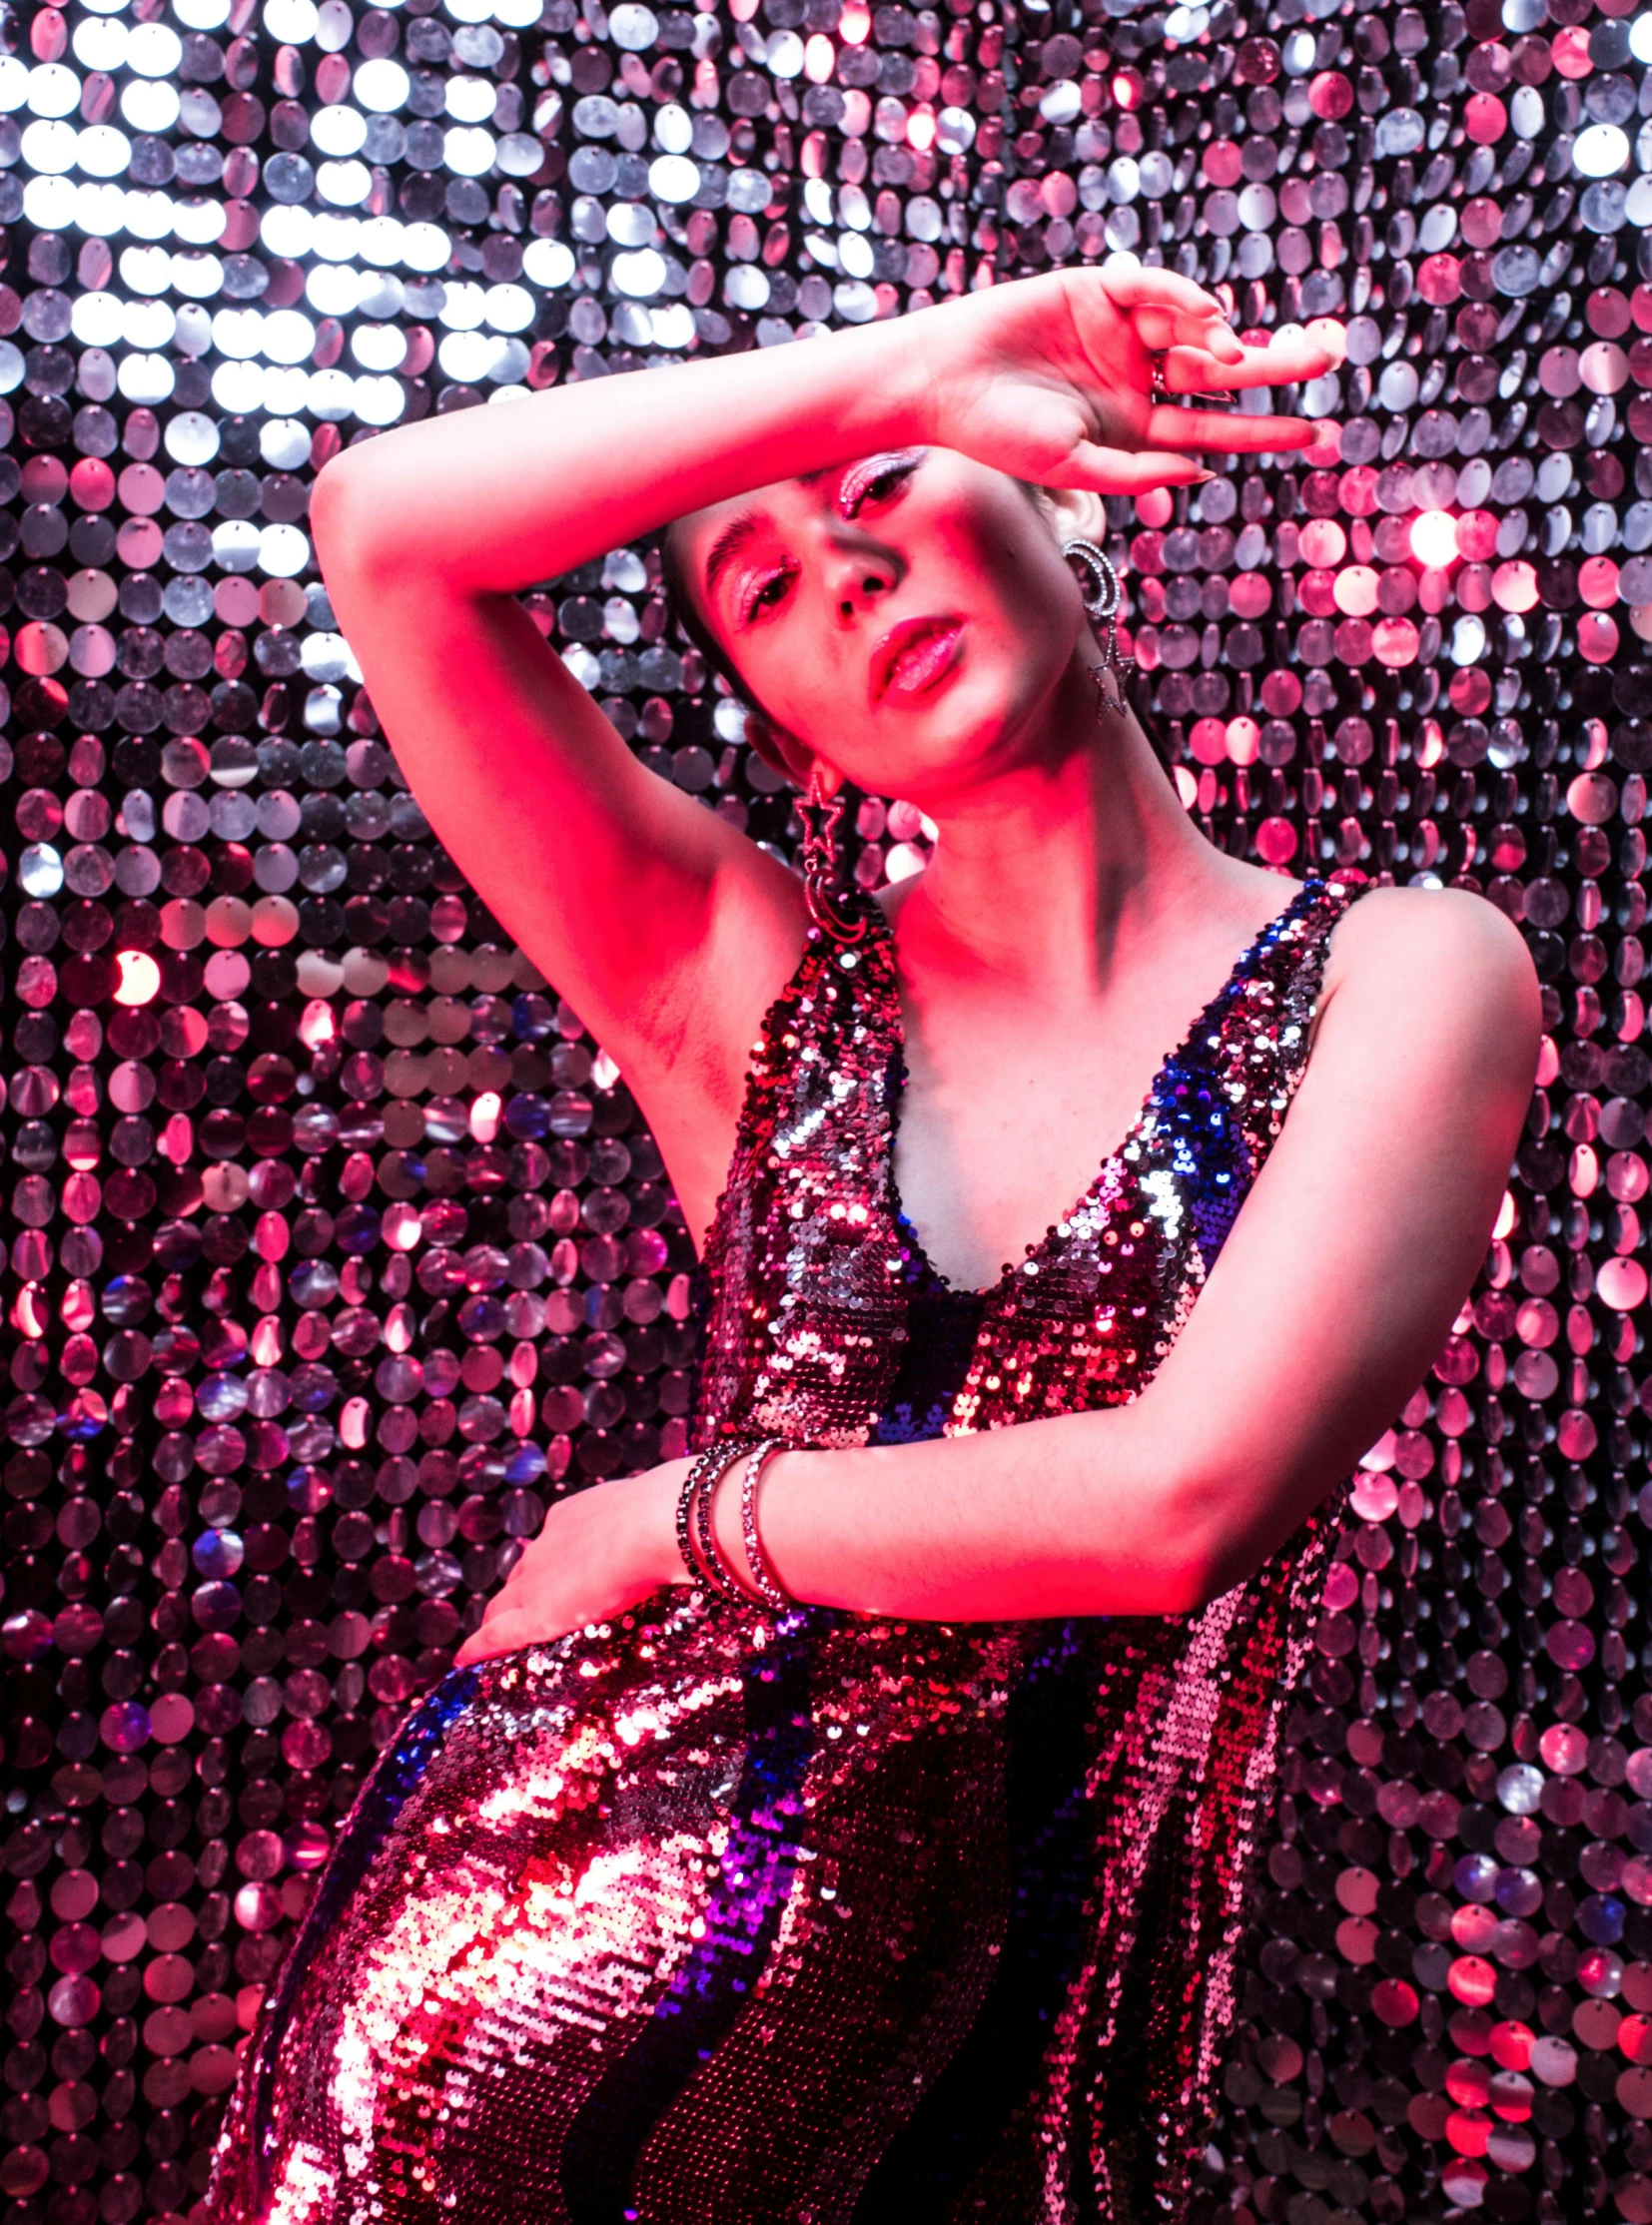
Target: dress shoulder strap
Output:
[(802, 1282), (1291, 963), (1219, 1104)]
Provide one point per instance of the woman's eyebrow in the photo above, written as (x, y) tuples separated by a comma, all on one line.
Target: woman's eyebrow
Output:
[(728, 545), (740, 530)]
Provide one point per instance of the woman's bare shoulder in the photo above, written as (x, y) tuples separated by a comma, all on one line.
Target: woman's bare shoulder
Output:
[(1437, 961), (1448, 929)]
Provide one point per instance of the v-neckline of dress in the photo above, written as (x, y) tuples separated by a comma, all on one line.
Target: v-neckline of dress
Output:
[(928, 1272)]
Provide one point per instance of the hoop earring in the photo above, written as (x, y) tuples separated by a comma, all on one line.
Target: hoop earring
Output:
[(820, 861), (1113, 672)]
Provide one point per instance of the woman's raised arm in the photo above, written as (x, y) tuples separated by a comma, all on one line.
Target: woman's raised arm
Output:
[(668, 931), (627, 893)]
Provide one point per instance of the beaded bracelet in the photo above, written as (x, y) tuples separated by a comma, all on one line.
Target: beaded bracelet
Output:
[(774, 1593), (697, 1543), (720, 1575), (707, 1472)]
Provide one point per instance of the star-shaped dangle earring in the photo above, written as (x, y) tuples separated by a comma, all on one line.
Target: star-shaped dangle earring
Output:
[(1110, 697)]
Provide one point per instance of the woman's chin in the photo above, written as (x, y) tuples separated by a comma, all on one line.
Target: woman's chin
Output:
[(978, 725), (947, 766)]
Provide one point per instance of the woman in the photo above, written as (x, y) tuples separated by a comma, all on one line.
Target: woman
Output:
[(919, 1899)]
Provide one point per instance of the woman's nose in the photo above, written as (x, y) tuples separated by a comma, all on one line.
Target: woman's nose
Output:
[(860, 585)]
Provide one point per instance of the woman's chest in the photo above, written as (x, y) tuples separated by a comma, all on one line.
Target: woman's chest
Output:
[(997, 1138)]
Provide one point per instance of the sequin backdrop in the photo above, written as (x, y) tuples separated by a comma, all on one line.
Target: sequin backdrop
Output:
[(336, 1249)]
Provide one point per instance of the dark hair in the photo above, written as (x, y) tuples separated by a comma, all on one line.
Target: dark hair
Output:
[(684, 603)]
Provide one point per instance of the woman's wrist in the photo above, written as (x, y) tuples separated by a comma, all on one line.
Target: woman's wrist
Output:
[(907, 374), (655, 1515), (889, 381), (781, 1472)]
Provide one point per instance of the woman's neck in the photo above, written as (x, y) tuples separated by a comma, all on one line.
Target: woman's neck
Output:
[(1053, 874)]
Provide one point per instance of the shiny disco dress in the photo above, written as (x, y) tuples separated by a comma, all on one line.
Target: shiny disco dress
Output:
[(712, 1919)]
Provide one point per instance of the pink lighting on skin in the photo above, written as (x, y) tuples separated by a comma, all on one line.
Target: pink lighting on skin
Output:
[(140, 978), (1434, 539)]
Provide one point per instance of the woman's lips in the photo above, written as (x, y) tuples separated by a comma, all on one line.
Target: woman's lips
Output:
[(915, 655)]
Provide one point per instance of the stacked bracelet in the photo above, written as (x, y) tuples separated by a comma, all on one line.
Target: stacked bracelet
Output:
[(721, 1577), (774, 1593), (701, 1555), (705, 1473)]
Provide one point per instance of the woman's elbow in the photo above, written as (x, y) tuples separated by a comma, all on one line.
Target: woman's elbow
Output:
[(1161, 1541), (346, 519), (1232, 1525), (1178, 1570)]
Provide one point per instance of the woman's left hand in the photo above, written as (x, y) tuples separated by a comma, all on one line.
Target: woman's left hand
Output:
[(601, 1551)]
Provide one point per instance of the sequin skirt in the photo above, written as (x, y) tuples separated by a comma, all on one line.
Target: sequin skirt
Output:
[(705, 1920)]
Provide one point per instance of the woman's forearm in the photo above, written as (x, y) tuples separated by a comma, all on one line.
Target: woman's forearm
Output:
[(1079, 1514), (493, 500)]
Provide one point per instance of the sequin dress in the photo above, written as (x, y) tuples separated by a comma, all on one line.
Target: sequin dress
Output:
[(717, 1920)]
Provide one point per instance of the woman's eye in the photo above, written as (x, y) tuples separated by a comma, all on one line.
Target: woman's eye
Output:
[(768, 595), (883, 484)]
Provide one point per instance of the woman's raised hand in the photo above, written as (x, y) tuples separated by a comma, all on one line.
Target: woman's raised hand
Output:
[(1052, 377)]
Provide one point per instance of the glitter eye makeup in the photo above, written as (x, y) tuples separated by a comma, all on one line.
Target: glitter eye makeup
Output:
[(876, 477), (765, 592)]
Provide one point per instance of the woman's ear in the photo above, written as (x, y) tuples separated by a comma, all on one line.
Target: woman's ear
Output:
[(1075, 512)]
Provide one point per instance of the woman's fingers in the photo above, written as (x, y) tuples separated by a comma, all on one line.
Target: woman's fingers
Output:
[(1116, 471), (1290, 357), (500, 1634), (1210, 335), (1159, 328), (1168, 309), (1230, 432), (1193, 371), (1130, 286), (1284, 362), (1196, 363)]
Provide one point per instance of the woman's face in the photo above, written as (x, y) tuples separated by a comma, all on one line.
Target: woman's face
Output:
[(907, 618)]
